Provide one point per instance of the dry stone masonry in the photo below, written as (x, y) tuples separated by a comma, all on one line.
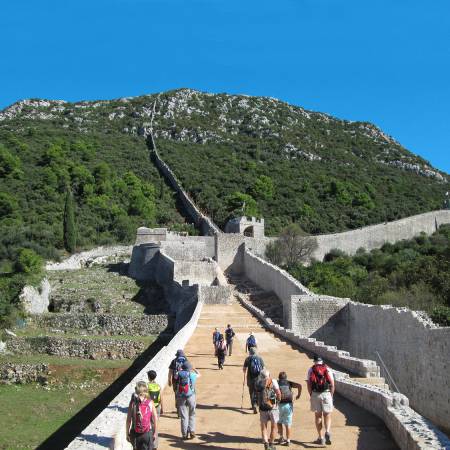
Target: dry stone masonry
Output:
[(23, 373)]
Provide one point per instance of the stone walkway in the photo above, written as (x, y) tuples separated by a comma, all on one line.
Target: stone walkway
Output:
[(221, 423)]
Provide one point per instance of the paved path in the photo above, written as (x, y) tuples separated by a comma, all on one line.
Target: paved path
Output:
[(221, 423)]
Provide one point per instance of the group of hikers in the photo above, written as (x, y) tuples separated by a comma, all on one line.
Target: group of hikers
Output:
[(272, 398)]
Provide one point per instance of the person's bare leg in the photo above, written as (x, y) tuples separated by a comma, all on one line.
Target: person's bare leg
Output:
[(288, 432), (327, 420), (264, 431), (280, 431), (318, 417), (273, 427)]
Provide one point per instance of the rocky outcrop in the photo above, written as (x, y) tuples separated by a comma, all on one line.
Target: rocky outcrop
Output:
[(77, 347), (36, 300), (106, 323), (23, 373)]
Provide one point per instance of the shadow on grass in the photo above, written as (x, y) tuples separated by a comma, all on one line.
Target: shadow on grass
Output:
[(74, 426)]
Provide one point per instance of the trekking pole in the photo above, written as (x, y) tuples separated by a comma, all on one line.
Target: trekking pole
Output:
[(242, 398)]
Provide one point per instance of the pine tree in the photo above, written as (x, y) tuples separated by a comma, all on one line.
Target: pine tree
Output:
[(70, 232)]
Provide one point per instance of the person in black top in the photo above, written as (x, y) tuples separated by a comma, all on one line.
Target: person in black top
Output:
[(229, 335), (253, 365), (174, 367), (286, 406)]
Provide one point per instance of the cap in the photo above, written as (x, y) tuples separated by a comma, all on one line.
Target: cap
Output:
[(179, 353), (317, 359)]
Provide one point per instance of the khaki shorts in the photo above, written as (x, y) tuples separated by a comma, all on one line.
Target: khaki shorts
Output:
[(321, 402), (269, 416)]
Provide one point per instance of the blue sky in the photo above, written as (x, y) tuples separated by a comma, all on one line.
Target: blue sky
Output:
[(385, 61)]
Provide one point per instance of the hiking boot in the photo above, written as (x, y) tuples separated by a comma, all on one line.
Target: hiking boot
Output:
[(185, 437), (319, 441), (266, 446), (192, 435), (328, 438), (255, 411)]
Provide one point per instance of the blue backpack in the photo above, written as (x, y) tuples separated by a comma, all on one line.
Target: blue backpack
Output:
[(251, 341), (255, 366), (184, 384)]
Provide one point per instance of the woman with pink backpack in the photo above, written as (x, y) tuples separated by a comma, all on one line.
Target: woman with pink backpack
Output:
[(142, 419)]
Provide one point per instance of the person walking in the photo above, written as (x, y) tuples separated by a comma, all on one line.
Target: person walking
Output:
[(320, 381), (154, 391), (251, 342), (268, 394), (253, 365), (186, 399), (174, 367), (221, 350), (215, 338), (286, 407), (142, 419), (229, 336)]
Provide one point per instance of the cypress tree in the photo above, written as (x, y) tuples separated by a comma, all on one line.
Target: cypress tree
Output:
[(70, 232)]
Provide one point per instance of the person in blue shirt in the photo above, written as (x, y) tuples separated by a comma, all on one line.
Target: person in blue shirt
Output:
[(186, 399)]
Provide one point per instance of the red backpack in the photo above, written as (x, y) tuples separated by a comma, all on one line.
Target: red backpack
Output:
[(142, 415), (320, 378)]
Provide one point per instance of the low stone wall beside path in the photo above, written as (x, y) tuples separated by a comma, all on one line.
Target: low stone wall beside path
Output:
[(410, 430), (23, 373)]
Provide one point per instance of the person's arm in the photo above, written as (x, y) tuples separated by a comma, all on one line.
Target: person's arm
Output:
[(308, 383), (298, 386), (128, 422), (277, 390), (331, 383), (197, 373), (170, 376), (154, 420)]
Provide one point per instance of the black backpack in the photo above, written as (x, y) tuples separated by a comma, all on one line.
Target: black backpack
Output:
[(286, 391), (229, 333)]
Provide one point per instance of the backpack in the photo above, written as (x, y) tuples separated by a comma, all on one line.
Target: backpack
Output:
[(184, 384), (286, 391), (266, 394), (320, 378), (142, 415), (229, 333), (154, 389), (251, 341), (216, 335), (221, 348), (255, 366)]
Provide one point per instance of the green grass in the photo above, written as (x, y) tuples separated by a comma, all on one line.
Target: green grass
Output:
[(29, 413)]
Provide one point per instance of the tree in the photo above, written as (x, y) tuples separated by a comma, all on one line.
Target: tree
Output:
[(239, 204), (29, 262), (70, 232), (292, 247)]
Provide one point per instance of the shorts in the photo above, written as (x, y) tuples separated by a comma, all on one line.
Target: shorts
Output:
[(286, 411), (269, 416), (321, 402)]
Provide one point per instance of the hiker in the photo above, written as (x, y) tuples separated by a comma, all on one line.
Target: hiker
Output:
[(154, 391), (268, 394), (221, 350), (253, 365), (175, 366), (186, 402), (142, 418), (229, 335), (320, 382), (251, 342), (215, 338), (286, 407)]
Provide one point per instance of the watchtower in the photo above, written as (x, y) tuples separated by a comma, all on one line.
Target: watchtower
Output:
[(248, 226)]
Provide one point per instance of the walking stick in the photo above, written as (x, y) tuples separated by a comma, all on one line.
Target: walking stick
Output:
[(242, 398)]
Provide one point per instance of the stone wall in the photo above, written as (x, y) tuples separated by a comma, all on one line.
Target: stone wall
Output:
[(79, 260), (142, 325), (415, 351), (195, 272), (202, 221), (23, 373), (216, 295), (107, 430), (271, 278), (187, 250), (374, 236), (36, 300), (76, 347)]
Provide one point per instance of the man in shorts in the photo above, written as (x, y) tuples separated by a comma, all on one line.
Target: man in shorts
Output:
[(268, 389), (320, 381)]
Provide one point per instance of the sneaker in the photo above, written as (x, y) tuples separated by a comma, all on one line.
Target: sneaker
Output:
[(255, 411), (271, 446), (266, 446), (192, 435), (328, 438), (280, 440), (287, 443), (185, 437), (319, 441)]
